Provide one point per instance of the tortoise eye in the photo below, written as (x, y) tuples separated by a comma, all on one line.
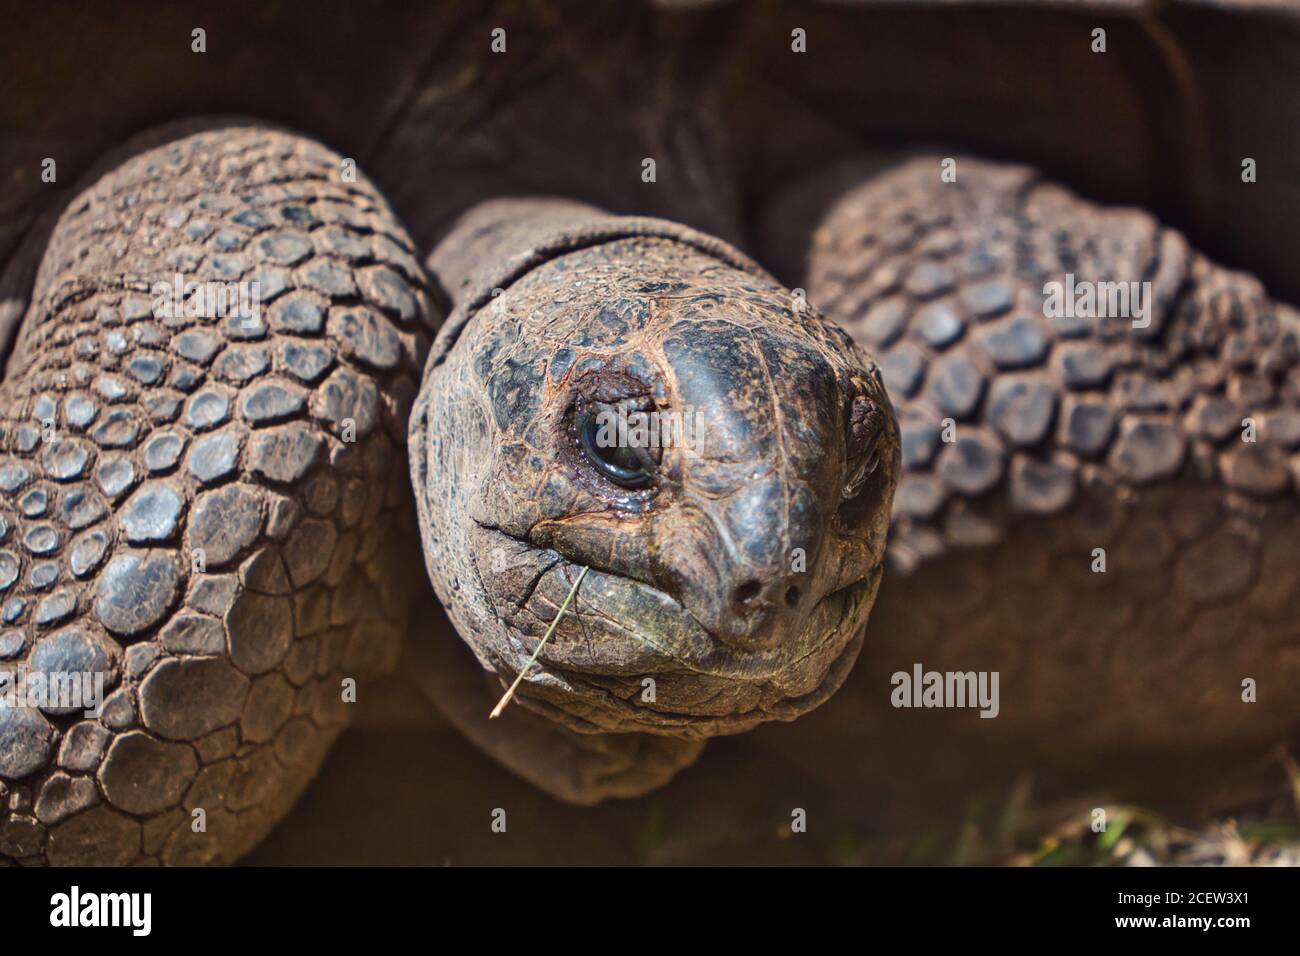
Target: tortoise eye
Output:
[(603, 434), (865, 426)]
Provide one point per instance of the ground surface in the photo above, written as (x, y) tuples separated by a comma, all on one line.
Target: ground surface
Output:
[(425, 798)]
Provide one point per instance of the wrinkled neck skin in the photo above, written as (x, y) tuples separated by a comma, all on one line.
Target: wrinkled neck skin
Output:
[(730, 583)]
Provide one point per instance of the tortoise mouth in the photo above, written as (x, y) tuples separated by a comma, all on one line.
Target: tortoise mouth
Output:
[(620, 631)]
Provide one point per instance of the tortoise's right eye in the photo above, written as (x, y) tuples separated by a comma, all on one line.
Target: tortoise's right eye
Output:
[(604, 437)]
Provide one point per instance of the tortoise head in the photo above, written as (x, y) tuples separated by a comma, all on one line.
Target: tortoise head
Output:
[(641, 400)]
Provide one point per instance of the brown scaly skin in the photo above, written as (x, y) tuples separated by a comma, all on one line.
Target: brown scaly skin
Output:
[(225, 682), (274, 448), (739, 580), (168, 435), (1074, 434)]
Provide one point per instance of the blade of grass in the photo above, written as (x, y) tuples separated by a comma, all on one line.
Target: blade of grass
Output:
[(505, 699)]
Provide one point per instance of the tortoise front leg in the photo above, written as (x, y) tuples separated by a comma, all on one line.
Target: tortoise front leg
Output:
[(200, 460), (1099, 495)]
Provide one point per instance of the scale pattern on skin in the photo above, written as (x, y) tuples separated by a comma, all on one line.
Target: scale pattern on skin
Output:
[(1074, 434), (130, 439)]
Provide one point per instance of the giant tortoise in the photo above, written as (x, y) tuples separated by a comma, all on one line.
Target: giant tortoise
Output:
[(251, 378)]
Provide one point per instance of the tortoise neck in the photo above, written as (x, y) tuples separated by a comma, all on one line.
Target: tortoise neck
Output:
[(498, 231)]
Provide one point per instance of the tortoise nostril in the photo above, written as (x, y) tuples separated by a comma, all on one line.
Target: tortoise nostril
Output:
[(792, 596), (748, 592)]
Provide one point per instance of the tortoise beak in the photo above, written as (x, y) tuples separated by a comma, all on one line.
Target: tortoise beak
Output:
[(738, 565)]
